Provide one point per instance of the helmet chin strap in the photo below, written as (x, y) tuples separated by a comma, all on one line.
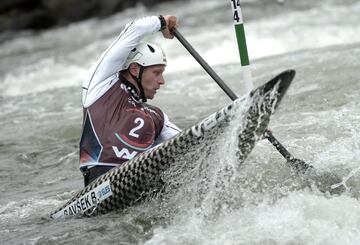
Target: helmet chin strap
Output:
[(138, 81)]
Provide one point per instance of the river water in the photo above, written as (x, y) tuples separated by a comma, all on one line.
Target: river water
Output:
[(260, 202)]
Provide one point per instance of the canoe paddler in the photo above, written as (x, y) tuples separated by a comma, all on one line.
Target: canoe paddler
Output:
[(118, 124)]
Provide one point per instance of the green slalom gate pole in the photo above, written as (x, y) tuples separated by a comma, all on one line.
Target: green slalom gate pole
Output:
[(245, 63), (241, 41)]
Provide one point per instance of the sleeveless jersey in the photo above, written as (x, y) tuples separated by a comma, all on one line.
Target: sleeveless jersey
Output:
[(117, 126)]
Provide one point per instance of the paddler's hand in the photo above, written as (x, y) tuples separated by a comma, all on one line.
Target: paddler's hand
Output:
[(171, 21)]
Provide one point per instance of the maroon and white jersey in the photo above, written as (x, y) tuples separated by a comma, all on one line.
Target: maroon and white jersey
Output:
[(117, 126)]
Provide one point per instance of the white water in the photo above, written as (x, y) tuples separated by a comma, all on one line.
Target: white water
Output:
[(318, 121), (49, 59)]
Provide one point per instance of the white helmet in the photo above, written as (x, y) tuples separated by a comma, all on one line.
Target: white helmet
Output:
[(146, 54)]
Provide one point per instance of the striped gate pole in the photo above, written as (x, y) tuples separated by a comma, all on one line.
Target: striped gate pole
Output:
[(241, 40)]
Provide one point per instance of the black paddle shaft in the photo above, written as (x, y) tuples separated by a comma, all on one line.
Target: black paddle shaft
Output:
[(204, 64), (268, 134)]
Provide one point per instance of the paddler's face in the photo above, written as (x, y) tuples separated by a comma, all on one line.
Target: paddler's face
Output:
[(152, 79)]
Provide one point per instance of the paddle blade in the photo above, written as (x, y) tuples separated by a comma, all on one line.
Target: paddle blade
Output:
[(299, 165)]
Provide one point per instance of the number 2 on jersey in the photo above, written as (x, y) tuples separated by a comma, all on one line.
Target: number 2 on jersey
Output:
[(140, 123)]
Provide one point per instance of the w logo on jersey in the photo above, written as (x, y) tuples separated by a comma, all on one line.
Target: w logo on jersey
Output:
[(124, 153)]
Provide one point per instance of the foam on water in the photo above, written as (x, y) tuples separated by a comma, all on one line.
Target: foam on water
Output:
[(217, 201), (26, 208), (299, 218), (47, 74), (70, 58)]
